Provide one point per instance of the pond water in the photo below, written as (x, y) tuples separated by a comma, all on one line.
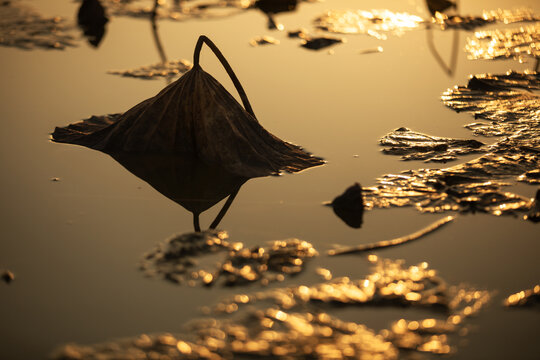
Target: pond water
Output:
[(75, 224)]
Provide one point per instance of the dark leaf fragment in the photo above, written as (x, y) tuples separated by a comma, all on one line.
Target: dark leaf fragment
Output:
[(441, 6), (92, 19), (349, 206), (320, 42)]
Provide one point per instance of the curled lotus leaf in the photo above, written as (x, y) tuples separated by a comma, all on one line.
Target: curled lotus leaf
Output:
[(412, 145), (194, 116), (23, 27), (517, 43), (157, 70), (177, 260)]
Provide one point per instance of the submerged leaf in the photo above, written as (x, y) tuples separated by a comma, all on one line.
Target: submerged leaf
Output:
[(413, 145), (154, 71), (509, 43), (194, 116), (23, 27)]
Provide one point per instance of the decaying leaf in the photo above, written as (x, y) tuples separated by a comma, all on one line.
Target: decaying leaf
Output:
[(177, 258), (22, 27), (509, 109), (297, 325), (528, 297), (375, 23), (515, 43), (92, 19), (349, 206), (154, 71), (413, 145), (194, 116)]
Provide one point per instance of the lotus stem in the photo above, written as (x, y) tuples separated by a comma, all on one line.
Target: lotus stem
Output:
[(401, 240), (226, 66), (196, 224)]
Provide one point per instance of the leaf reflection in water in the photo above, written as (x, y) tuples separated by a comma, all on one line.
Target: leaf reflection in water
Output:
[(24, 28), (297, 325), (512, 112), (517, 43), (177, 260)]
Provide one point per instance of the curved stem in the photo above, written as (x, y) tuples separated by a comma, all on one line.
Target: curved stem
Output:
[(226, 66), (224, 209)]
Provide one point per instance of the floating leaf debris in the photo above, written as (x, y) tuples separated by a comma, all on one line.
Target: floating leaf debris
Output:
[(263, 40), (376, 23), (297, 325), (413, 145), (509, 109), (528, 297), (158, 70), (468, 22), (515, 43), (22, 27), (177, 259)]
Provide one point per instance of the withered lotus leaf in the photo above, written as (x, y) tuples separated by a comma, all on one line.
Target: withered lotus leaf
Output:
[(194, 116)]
